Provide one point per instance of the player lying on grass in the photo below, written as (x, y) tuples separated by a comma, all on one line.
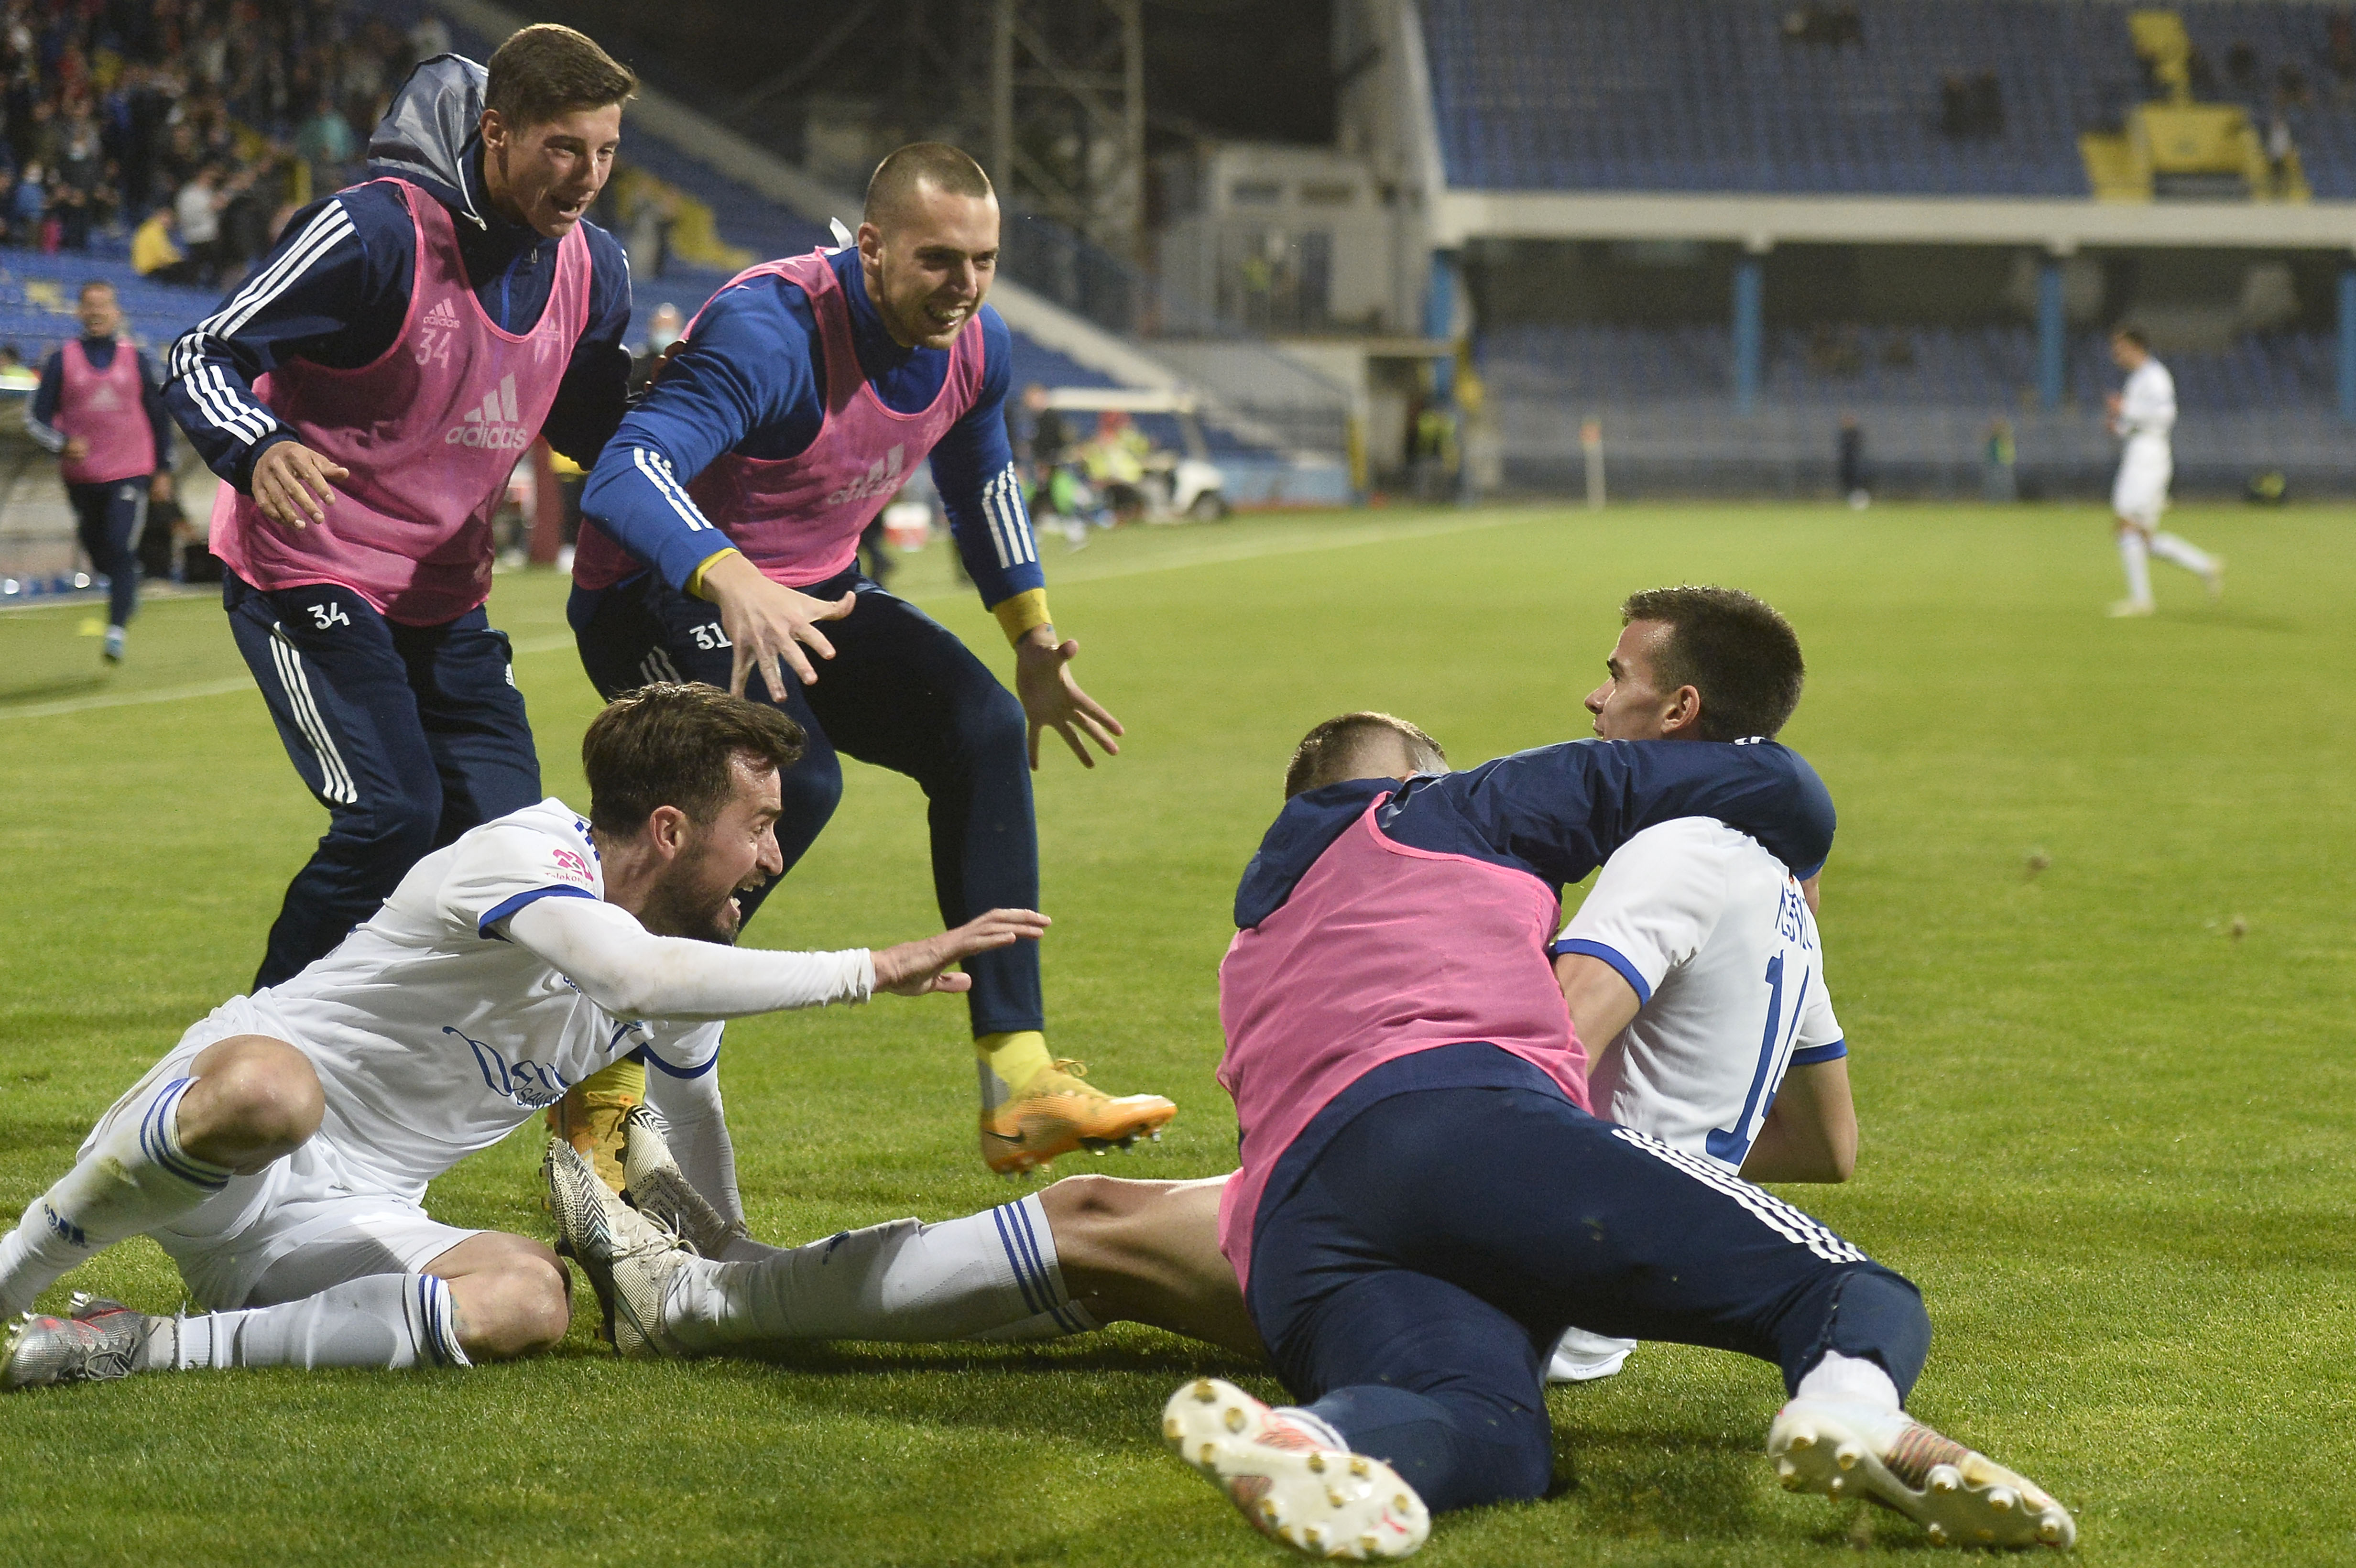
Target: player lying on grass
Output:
[(1695, 960), (280, 1153), (1426, 1204)]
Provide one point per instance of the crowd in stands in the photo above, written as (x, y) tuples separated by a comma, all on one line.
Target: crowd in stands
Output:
[(186, 130)]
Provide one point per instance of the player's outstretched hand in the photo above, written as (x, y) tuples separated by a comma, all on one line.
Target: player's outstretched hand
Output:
[(293, 485), (1052, 699), (913, 968), (768, 623)]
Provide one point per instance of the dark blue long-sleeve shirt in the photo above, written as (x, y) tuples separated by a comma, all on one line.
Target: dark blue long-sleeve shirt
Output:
[(1558, 812), (335, 289), (40, 420), (752, 379)]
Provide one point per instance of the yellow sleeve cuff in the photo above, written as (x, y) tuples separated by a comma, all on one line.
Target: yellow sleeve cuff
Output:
[(1020, 613), (695, 578)]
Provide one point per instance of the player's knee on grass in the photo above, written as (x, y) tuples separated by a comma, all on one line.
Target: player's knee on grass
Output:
[(990, 728), (514, 1296), (255, 1099)]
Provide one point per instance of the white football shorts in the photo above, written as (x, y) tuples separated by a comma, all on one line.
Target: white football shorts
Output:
[(2140, 492), (315, 1219)]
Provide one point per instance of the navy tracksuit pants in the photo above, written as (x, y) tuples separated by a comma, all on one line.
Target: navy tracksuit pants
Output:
[(901, 692), (107, 519), (1411, 1276), (408, 735)]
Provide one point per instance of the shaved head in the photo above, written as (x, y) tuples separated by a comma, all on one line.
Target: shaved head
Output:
[(892, 191), (1361, 746)]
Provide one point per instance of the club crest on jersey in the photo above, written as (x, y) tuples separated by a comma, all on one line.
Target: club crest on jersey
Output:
[(495, 424), (524, 1082), (882, 479)]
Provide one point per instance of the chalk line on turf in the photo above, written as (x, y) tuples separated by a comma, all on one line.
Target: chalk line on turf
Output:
[(1073, 574)]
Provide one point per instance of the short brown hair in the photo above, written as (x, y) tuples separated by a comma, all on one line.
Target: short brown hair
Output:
[(2131, 335), (676, 743), (1346, 748), (935, 164), (546, 71), (83, 293), (1736, 651)]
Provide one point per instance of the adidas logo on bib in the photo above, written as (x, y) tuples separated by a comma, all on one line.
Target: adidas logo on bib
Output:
[(494, 425), (441, 314), (882, 478)]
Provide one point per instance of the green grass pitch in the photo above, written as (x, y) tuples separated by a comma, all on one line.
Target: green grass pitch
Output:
[(2109, 1136)]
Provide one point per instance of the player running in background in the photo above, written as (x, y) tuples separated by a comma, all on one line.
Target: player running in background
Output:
[(364, 397), (727, 513), (280, 1153), (2143, 413), (99, 410)]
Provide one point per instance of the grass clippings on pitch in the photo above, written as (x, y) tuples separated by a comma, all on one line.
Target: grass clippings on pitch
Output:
[(2109, 1137)]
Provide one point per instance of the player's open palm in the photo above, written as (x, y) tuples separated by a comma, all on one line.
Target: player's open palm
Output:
[(1052, 699), (769, 624), (913, 968), (293, 485)]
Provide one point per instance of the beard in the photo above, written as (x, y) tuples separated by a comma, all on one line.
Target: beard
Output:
[(686, 905)]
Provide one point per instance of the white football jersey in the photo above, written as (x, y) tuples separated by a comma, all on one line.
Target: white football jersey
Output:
[(2148, 402), (1713, 935), (433, 1035)]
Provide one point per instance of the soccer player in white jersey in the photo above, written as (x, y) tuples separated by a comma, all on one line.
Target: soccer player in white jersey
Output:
[(1694, 967), (280, 1153), (2143, 413)]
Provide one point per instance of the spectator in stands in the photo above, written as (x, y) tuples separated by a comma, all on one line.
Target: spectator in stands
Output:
[(30, 207), (326, 141), (1848, 463), (100, 410), (2278, 152), (2339, 49), (196, 213), (2290, 87), (663, 329), (153, 254)]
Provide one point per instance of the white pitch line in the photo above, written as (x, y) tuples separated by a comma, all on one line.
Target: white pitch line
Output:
[(201, 688), (1075, 573)]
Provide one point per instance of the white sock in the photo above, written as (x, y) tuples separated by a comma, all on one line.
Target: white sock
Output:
[(1069, 1318), (2183, 552), (135, 1179), (391, 1321), (1848, 1380), (2134, 556), (898, 1281), (1316, 1426)]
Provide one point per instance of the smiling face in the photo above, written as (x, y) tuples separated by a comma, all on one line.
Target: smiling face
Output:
[(101, 313), (930, 269), (546, 175), (1630, 705), (736, 851)]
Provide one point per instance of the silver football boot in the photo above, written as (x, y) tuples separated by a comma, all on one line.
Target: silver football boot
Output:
[(628, 1258), (98, 1341), (653, 1184)]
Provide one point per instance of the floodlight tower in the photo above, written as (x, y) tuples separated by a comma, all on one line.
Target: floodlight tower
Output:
[(1067, 115)]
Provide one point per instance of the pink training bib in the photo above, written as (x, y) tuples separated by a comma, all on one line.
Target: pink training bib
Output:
[(1382, 951), (799, 519), (430, 431), (108, 410)]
